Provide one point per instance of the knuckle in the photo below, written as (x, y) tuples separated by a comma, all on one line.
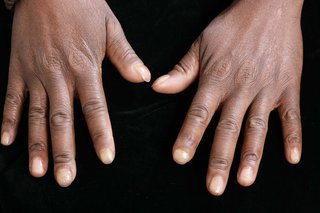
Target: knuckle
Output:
[(93, 109), (247, 74), (199, 114), (60, 118), (250, 156), (37, 112), (61, 158), (218, 71), (219, 163), (256, 123), (290, 115), (14, 99), (38, 147), (293, 138), (10, 121), (51, 62), (79, 60), (188, 139), (228, 125), (99, 135)]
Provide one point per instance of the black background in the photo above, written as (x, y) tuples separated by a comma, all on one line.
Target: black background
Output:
[(143, 177)]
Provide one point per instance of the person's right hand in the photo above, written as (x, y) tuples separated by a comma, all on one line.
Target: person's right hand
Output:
[(57, 51)]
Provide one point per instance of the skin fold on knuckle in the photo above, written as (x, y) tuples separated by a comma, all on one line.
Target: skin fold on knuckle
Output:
[(256, 124), (37, 113), (219, 163), (100, 135), (290, 115), (250, 157), (63, 158), (227, 126), (216, 72), (93, 109), (247, 75), (39, 146), (198, 115), (292, 139), (60, 118)]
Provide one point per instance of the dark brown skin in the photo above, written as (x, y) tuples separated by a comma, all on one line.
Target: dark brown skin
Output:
[(248, 60), (57, 51)]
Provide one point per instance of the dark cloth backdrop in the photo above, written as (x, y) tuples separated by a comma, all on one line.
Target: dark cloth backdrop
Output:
[(143, 177)]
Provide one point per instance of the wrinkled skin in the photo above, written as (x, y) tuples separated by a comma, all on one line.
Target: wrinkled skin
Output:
[(57, 51), (248, 60)]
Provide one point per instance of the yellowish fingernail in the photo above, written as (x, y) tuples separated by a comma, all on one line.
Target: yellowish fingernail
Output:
[(181, 156), (37, 167), (5, 138), (216, 186), (246, 176), (143, 72), (64, 177), (161, 80), (295, 155), (106, 156)]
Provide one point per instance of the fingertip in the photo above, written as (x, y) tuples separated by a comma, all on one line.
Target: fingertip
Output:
[(143, 72), (106, 155), (159, 82), (181, 156), (294, 156), (246, 176), (5, 139), (37, 167), (216, 186), (169, 84), (64, 177)]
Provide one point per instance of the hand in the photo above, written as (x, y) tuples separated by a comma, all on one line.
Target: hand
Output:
[(57, 51), (249, 60)]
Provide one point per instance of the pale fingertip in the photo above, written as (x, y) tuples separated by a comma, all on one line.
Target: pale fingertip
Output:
[(246, 176), (160, 81), (295, 155), (143, 71), (37, 168), (216, 186), (106, 156), (64, 177), (181, 156), (5, 139)]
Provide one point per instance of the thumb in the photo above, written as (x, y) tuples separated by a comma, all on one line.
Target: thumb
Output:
[(182, 75), (122, 55)]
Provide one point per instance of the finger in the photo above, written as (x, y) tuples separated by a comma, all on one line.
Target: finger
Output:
[(38, 132), (224, 144), (15, 98), (95, 110), (197, 119), (62, 131), (182, 75), (289, 111), (254, 138), (121, 54)]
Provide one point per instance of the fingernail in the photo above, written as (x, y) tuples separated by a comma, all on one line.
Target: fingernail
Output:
[(37, 167), (295, 155), (161, 79), (181, 156), (106, 156), (246, 175), (64, 177), (5, 138), (143, 72), (216, 186)]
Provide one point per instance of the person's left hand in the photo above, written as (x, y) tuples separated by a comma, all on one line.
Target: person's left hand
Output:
[(249, 60)]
